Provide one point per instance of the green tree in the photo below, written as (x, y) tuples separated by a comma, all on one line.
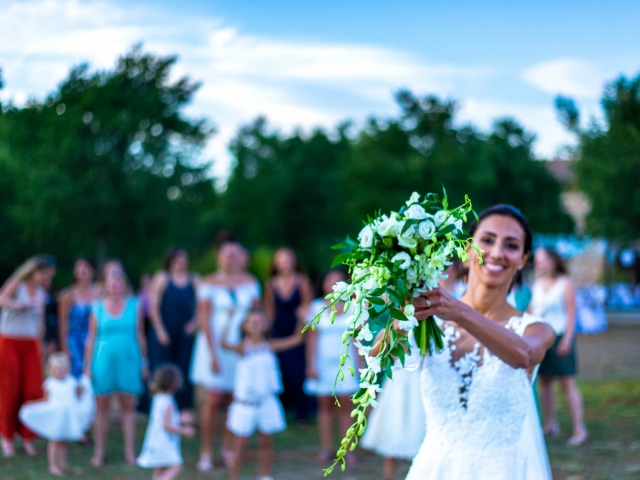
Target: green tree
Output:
[(103, 165), (607, 162)]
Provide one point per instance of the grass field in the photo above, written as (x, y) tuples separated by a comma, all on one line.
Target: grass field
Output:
[(612, 404)]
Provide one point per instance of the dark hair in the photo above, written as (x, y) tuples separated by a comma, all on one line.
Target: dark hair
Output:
[(166, 379), (320, 283), (46, 261), (256, 309), (274, 270), (171, 254), (559, 265), (84, 258), (225, 237), (506, 210)]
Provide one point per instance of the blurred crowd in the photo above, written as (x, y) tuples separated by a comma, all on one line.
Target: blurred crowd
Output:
[(222, 342)]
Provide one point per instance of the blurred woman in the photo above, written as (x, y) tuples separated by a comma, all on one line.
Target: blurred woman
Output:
[(116, 359), (173, 307), (324, 347), (225, 296), (554, 299), (22, 299), (74, 312), (287, 297)]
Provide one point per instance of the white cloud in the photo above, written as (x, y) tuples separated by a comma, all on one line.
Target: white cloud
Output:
[(574, 77), (294, 83)]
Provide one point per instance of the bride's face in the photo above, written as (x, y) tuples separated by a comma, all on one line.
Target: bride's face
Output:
[(503, 239)]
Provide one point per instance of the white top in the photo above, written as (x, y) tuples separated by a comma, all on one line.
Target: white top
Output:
[(257, 374), (481, 417), (550, 305), (26, 322), (228, 305), (161, 448)]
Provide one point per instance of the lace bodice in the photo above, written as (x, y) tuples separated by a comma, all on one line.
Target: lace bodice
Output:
[(476, 407)]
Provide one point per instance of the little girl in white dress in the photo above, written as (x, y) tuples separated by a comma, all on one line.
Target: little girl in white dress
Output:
[(256, 405), (161, 447), (64, 414)]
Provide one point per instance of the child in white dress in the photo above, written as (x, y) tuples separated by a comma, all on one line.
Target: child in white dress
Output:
[(324, 348), (64, 414), (161, 447), (256, 405)]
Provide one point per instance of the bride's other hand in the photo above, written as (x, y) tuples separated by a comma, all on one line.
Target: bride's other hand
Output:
[(437, 302)]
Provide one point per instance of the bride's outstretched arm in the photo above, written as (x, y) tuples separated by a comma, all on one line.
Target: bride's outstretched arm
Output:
[(517, 351)]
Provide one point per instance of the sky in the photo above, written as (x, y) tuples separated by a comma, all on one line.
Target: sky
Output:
[(319, 63)]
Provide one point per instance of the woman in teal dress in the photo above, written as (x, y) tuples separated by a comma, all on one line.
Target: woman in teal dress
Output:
[(116, 360)]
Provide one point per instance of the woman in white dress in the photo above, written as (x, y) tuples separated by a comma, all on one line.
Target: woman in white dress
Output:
[(477, 394), (554, 300), (224, 296), (324, 347)]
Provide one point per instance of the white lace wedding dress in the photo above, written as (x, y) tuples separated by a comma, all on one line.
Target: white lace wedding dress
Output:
[(482, 422)]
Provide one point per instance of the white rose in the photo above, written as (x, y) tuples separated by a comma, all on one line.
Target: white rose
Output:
[(403, 257), (366, 237), (426, 229), (409, 310), (439, 217), (416, 212), (407, 240), (415, 198), (389, 227)]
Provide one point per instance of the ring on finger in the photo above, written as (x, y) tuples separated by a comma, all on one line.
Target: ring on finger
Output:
[(428, 303)]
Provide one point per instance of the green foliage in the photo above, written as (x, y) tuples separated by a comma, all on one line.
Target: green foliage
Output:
[(608, 163), (93, 165), (90, 169)]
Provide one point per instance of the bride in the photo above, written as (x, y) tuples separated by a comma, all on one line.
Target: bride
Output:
[(481, 418)]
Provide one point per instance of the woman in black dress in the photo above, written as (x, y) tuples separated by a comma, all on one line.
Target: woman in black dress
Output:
[(287, 297), (173, 307)]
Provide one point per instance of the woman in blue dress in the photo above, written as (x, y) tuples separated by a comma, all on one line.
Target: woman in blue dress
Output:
[(74, 311), (116, 360)]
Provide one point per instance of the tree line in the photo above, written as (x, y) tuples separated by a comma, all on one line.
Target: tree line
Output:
[(104, 166)]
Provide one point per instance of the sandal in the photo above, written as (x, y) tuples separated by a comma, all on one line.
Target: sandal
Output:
[(227, 458), (324, 456), (578, 439), (8, 448), (204, 464)]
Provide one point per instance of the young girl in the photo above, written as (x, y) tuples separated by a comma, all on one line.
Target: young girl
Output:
[(324, 347), (255, 404), (64, 414), (161, 447)]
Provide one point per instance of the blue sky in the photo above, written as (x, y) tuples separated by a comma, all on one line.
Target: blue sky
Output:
[(317, 63)]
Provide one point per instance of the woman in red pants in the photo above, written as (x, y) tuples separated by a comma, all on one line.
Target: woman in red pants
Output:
[(22, 299)]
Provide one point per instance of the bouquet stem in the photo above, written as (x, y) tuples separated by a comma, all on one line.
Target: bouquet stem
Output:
[(426, 331)]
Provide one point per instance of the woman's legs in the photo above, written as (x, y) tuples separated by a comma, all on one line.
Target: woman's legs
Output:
[(325, 423), (574, 401), (128, 422), (389, 468), (548, 403), (100, 428), (265, 454), (345, 421), (213, 401)]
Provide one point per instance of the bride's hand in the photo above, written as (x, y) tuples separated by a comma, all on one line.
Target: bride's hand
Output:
[(437, 302)]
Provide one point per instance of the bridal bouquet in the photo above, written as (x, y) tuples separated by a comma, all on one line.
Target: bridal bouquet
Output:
[(396, 258)]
